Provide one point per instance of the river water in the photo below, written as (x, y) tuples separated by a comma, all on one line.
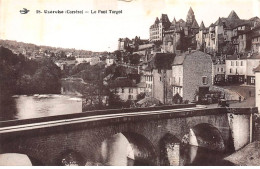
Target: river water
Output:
[(42, 105)]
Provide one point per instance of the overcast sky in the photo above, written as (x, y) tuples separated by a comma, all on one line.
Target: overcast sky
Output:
[(100, 32)]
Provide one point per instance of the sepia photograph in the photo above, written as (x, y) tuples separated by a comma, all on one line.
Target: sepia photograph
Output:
[(129, 83)]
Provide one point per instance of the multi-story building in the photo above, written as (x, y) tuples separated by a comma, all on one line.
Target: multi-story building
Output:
[(157, 29), (181, 35), (255, 39), (123, 43), (219, 70), (191, 75), (126, 88), (239, 68), (147, 78), (230, 29), (160, 67)]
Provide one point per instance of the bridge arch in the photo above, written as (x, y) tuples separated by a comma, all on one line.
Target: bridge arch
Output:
[(127, 148), (205, 135), (169, 150)]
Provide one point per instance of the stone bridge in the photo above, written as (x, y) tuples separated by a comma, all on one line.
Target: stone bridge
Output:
[(154, 135)]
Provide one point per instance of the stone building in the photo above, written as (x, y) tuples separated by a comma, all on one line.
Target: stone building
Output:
[(181, 35), (160, 66), (157, 29), (126, 88), (219, 70), (239, 68), (191, 75), (255, 39), (225, 30)]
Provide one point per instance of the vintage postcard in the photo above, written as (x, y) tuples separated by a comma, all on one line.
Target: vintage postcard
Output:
[(129, 82)]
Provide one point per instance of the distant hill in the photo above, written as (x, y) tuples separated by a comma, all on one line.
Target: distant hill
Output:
[(30, 50)]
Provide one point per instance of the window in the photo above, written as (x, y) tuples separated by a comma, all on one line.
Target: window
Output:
[(230, 70), (123, 90), (218, 69), (253, 80), (222, 70), (236, 70), (160, 78), (130, 97), (241, 63), (204, 80), (237, 63), (130, 90), (232, 64)]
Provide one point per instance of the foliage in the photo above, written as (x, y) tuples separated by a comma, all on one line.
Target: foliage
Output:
[(140, 96), (22, 76), (115, 101)]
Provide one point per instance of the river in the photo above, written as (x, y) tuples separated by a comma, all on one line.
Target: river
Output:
[(41, 105)]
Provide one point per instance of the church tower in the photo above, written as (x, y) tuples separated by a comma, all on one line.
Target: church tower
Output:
[(190, 17)]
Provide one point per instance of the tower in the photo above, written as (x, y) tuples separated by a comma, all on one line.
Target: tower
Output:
[(190, 17)]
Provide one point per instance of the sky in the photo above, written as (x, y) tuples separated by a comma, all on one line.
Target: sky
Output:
[(100, 32)]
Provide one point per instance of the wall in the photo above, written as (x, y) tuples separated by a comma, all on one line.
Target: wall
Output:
[(195, 66), (177, 79), (251, 64), (158, 87), (257, 90), (125, 95), (241, 70)]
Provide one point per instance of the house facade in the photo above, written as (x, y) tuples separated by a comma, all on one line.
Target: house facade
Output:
[(126, 88), (160, 67), (239, 68), (192, 74)]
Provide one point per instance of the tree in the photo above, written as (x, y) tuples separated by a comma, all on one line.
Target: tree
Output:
[(114, 101), (135, 59), (140, 96)]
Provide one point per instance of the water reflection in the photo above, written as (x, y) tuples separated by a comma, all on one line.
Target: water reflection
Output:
[(117, 151), (24, 107), (198, 156)]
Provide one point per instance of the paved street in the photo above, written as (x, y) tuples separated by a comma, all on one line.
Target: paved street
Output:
[(246, 91)]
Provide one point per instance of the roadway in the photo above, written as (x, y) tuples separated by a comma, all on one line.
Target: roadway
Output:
[(54, 123)]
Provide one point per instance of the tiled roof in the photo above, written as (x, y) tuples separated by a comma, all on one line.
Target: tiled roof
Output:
[(195, 24), (233, 15), (219, 22), (243, 56), (122, 82), (202, 26)]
